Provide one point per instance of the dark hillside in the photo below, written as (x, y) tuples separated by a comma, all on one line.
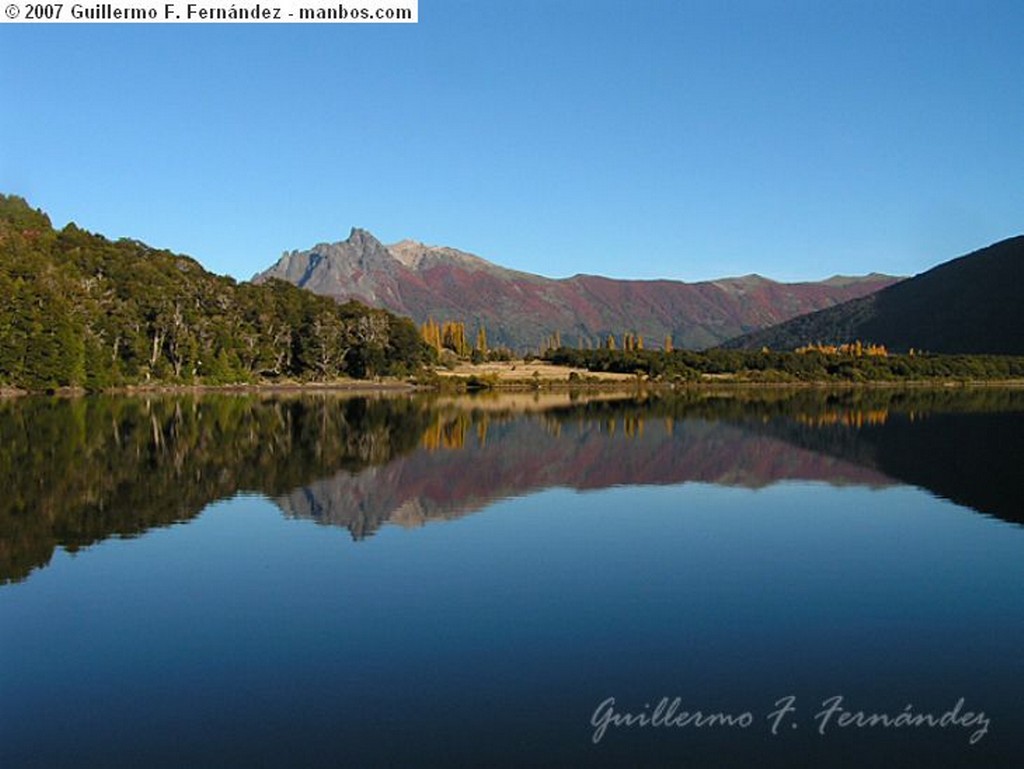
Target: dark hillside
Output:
[(972, 304)]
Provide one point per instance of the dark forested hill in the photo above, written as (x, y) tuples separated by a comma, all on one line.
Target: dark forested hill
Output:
[(78, 310), (521, 310), (968, 305)]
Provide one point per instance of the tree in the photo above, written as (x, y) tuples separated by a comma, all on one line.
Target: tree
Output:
[(431, 333)]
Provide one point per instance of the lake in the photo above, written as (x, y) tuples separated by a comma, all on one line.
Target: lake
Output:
[(791, 578)]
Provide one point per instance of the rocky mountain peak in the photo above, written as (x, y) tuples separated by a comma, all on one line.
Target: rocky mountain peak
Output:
[(363, 239)]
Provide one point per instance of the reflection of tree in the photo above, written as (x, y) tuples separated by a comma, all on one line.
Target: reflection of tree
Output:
[(809, 404), (78, 471)]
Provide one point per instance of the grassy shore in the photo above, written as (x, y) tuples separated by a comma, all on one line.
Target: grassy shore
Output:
[(529, 374)]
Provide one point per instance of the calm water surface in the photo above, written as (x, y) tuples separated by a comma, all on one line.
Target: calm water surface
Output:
[(333, 582)]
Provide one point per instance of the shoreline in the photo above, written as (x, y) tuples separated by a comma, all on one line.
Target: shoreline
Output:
[(457, 384), (354, 386)]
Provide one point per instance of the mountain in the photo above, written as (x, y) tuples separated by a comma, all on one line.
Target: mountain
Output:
[(967, 305), (520, 309)]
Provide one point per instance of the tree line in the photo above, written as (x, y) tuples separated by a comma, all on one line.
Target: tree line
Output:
[(78, 310), (810, 364), (450, 342)]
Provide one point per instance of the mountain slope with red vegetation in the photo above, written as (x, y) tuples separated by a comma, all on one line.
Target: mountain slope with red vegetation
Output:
[(520, 310)]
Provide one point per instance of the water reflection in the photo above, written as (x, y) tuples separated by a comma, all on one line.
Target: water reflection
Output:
[(79, 471)]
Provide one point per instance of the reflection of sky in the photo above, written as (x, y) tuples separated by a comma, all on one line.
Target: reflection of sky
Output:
[(249, 635)]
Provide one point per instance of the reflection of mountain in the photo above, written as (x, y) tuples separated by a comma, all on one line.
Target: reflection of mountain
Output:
[(529, 454), (78, 471), (930, 438)]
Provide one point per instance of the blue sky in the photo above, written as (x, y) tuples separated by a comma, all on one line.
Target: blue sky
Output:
[(687, 140)]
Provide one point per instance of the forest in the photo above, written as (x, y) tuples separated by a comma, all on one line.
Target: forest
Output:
[(80, 311)]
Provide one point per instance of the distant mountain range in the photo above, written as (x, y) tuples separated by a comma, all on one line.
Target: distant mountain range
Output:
[(520, 310), (968, 305)]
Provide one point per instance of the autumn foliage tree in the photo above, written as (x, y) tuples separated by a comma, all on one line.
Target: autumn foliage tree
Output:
[(453, 337), (431, 333)]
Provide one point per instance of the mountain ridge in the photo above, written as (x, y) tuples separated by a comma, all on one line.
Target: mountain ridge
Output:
[(522, 310)]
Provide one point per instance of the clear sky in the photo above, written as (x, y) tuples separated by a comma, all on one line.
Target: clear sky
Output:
[(662, 138)]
